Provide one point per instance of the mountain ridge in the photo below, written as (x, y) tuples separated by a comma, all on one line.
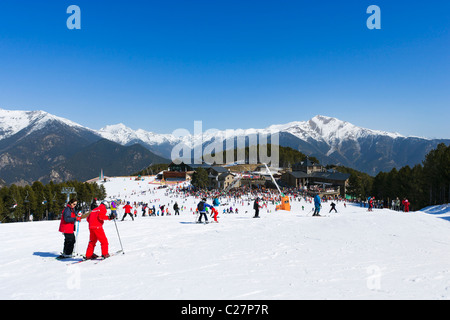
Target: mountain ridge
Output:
[(37, 146), (329, 139), (122, 134)]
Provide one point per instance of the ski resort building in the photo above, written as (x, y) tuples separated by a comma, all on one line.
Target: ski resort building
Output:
[(310, 176), (219, 177)]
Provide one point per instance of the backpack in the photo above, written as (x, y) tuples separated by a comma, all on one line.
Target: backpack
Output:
[(201, 206)]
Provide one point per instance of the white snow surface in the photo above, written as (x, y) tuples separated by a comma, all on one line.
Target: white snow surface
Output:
[(353, 254)]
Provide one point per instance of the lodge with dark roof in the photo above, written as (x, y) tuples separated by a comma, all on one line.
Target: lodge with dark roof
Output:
[(308, 175), (305, 175), (219, 177)]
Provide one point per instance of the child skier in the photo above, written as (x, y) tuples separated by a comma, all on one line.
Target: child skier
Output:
[(114, 209), (202, 205), (127, 208), (96, 220), (215, 213), (333, 207)]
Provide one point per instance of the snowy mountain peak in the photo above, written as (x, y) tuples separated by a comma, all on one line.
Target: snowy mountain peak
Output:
[(334, 129), (331, 130), (321, 128), (124, 135), (119, 133), (329, 139), (13, 121), (119, 128)]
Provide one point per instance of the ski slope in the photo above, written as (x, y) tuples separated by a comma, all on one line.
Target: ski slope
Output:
[(353, 254)]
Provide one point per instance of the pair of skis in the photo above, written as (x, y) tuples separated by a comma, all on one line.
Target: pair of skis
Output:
[(99, 259)]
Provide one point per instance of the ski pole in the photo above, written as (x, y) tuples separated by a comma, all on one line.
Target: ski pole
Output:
[(120, 241), (76, 238)]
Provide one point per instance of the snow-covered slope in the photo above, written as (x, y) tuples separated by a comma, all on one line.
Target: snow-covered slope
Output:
[(352, 254)]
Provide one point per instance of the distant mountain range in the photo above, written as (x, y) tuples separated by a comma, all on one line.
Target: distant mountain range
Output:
[(35, 145), (330, 140)]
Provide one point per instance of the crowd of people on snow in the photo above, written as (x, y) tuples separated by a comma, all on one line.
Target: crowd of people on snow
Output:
[(372, 203), (246, 198), (242, 197)]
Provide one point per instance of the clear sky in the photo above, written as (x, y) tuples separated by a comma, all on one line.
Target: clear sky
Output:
[(161, 65)]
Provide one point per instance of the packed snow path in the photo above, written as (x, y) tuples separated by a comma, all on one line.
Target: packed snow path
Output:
[(353, 254)]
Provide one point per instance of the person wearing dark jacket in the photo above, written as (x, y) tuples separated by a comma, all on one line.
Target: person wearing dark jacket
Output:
[(67, 227), (94, 204), (333, 207), (176, 208), (202, 205), (256, 208)]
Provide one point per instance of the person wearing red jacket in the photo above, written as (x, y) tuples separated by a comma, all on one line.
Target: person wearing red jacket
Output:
[(216, 213), (96, 220), (371, 203), (127, 208), (406, 205), (67, 227)]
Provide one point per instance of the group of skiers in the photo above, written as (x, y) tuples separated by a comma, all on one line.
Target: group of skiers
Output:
[(151, 210), (202, 208), (95, 218), (395, 205), (98, 215), (398, 205)]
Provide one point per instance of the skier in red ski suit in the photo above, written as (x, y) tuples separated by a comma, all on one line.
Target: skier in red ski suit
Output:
[(216, 213), (96, 220), (127, 208), (406, 205)]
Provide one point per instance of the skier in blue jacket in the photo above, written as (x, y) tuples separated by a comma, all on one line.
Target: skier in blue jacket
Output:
[(202, 210), (317, 205)]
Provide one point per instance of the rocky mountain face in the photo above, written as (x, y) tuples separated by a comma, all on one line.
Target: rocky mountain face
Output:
[(35, 145), (39, 146), (330, 140)]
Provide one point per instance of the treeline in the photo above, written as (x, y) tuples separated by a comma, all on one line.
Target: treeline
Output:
[(359, 184), (423, 185), (44, 202), (287, 155), (154, 169)]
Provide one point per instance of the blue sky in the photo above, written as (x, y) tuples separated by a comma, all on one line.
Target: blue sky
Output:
[(161, 65)]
